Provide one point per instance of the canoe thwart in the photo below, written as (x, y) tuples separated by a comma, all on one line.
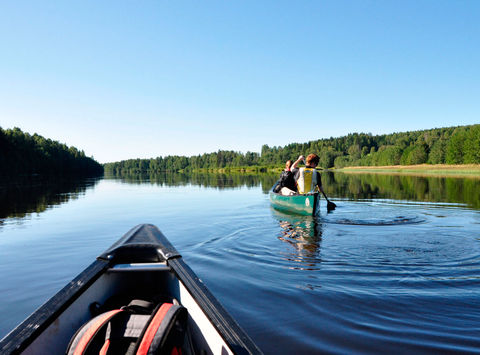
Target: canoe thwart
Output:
[(142, 267)]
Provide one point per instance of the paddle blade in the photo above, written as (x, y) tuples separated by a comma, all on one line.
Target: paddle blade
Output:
[(331, 206)]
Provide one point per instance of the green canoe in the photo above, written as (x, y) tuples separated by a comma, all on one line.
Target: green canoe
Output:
[(307, 205)]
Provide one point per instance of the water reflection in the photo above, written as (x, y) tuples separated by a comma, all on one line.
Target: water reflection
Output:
[(387, 284), (403, 187), (28, 195), (304, 234), (461, 190), (215, 180), (34, 194)]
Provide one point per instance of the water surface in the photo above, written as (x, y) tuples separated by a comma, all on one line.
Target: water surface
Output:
[(394, 269)]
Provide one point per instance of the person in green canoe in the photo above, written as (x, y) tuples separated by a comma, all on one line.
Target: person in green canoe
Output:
[(287, 185), (308, 179)]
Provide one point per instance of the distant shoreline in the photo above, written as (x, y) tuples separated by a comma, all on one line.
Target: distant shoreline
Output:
[(421, 169), (468, 170), (440, 170)]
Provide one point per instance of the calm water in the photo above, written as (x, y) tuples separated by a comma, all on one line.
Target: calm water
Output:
[(394, 269)]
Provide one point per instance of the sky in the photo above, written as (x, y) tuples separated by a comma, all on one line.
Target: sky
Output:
[(141, 79)]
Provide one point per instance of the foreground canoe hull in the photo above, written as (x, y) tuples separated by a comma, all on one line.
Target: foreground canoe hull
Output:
[(142, 263), (306, 205)]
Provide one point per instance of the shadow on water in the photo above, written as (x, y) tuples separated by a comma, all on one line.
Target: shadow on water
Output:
[(34, 194)]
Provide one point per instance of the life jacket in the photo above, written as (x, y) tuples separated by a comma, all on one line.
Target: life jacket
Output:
[(307, 180), (133, 329)]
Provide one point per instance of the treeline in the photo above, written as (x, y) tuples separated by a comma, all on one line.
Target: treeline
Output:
[(173, 163), (452, 145), (25, 154)]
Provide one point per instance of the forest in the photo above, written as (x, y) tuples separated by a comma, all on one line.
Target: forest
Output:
[(25, 154), (451, 145)]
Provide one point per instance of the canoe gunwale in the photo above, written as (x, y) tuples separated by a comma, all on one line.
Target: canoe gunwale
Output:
[(128, 251), (228, 328), (26, 332)]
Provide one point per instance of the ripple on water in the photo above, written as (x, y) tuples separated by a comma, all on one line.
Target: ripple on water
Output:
[(395, 274), (374, 214), (372, 276)]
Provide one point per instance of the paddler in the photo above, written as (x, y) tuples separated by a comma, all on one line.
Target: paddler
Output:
[(308, 179)]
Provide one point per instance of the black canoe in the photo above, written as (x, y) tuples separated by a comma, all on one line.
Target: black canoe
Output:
[(142, 262)]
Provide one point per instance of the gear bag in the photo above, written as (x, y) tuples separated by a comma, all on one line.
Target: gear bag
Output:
[(133, 329)]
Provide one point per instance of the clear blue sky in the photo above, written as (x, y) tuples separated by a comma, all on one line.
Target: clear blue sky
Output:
[(128, 79)]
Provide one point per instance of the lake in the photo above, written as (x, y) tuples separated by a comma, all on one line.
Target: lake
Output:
[(394, 269)]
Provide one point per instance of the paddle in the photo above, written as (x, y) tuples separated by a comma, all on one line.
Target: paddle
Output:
[(330, 205)]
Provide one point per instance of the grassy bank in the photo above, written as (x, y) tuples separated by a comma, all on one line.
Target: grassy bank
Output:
[(423, 169)]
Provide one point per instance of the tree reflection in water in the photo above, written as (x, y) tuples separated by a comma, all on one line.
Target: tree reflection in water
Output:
[(337, 185), (34, 194), (211, 180), (432, 188)]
